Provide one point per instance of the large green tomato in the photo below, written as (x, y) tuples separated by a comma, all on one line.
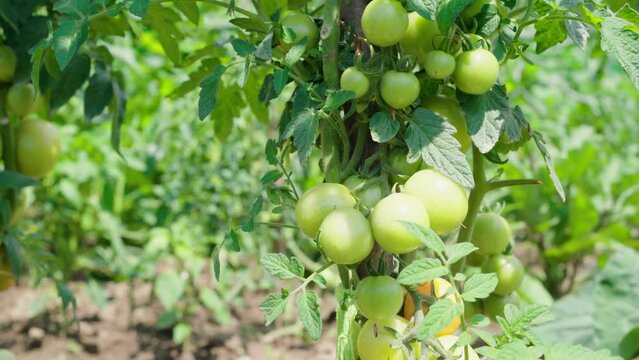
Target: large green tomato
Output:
[(303, 26), (354, 80), (494, 304), (389, 232), (374, 341), (476, 71), (445, 201), (369, 192), (401, 167), (345, 236), (491, 234), (21, 99), (37, 147), (8, 61), (449, 109), (418, 39), (316, 203), (509, 270), (384, 22), (439, 64), (379, 297), (399, 89), (447, 342)]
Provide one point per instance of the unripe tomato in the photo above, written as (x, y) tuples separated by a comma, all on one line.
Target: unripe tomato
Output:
[(374, 341), (448, 341), (317, 202), (402, 168), (369, 193), (354, 80), (475, 259), (473, 9), (345, 236), (389, 232), (439, 64), (399, 89), (445, 201), (8, 61), (6, 274), (303, 26), (440, 287), (494, 304), (476, 71), (491, 234), (37, 147), (418, 39), (509, 270), (379, 297), (384, 22), (21, 99), (449, 109)]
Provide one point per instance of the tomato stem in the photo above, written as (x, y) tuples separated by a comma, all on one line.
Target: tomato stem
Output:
[(311, 277), (505, 183), (362, 132)]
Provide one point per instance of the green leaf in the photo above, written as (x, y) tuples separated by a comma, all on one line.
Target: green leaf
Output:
[(99, 92), (448, 11), (541, 145), (282, 267), (431, 137), (190, 10), (629, 14), (521, 320), (456, 252), (422, 270), (209, 92), (215, 258), (517, 350), (479, 286), (37, 55), (242, 79), (232, 241), (14, 180), (264, 49), (295, 53), (336, 99), (7, 355), (486, 115), (65, 295), (251, 23), (347, 326), (516, 128), (578, 33), (425, 8), (271, 177), (71, 79), (438, 317), (383, 127), (163, 20), (576, 352), (629, 346), (181, 332), (242, 47), (427, 236), (267, 90), (9, 14), (271, 152), (118, 111), (485, 336), (304, 125), (169, 288), (139, 8), (309, 313), (280, 79), (623, 43), (533, 291), (67, 39), (550, 32), (13, 248), (273, 306), (249, 223), (212, 301)]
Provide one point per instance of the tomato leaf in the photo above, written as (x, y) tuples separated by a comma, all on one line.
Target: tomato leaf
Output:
[(280, 79), (309, 313), (99, 92), (14, 180), (425, 8), (282, 267), (232, 241), (242, 79), (550, 32), (541, 145), (347, 326), (251, 23), (264, 50), (210, 87), (479, 286), (271, 152), (438, 317), (163, 20), (71, 79), (190, 10), (622, 42), (431, 137), (67, 39), (578, 33), (456, 252), (521, 319), (577, 352), (242, 47), (271, 177), (139, 8), (249, 223), (422, 270), (169, 288), (448, 12), (336, 99), (427, 236), (273, 306), (303, 128), (295, 53), (383, 127)]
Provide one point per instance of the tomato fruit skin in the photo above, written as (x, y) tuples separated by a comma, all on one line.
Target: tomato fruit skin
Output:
[(345, 236), (399, 89), (449, 109), (374, 341), (303, 26), (392, 235), (379, 297), (37, 147), (21, 99), (509, 270), (445, 201), (439, 64), (319, 201), (8, 62), (440, 287), (491, 234), (370, 192), (418, 39), (384, 22), (476, 71), (402, 168), (354, 80)]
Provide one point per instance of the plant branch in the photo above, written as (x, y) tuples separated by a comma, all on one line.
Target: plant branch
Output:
[(362, 132), (213, 2), (311, 277), (490, 186), (329, 34)]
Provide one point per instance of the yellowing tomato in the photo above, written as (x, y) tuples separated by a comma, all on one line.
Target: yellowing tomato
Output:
[(440, 287)]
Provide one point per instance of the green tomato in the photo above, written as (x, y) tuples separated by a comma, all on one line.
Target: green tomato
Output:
[(369, 193), (316, 203), (399, 89), (374, 341), (389, 232), (384, 22), (21, 99), (494, 304), (418, 39), (473, 9), (345, 236), (8, 62), (354, 80), (491, 234), (379, 297), (402, 168), (475, 259), (449, 109), (445, 201), (439, 64), (509, 270), (476, 71), (303, 26), (37, 147)]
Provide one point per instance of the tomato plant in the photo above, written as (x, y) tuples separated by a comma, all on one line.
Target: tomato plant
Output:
[(399, 89), (345, 236), (439, 64), (439, 288), (368, 192), (384, 22), (379, 297), (374, 340), (509, 270), (386, 219), (354, 80), (318, 202), (491, 234), (476, 71)]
